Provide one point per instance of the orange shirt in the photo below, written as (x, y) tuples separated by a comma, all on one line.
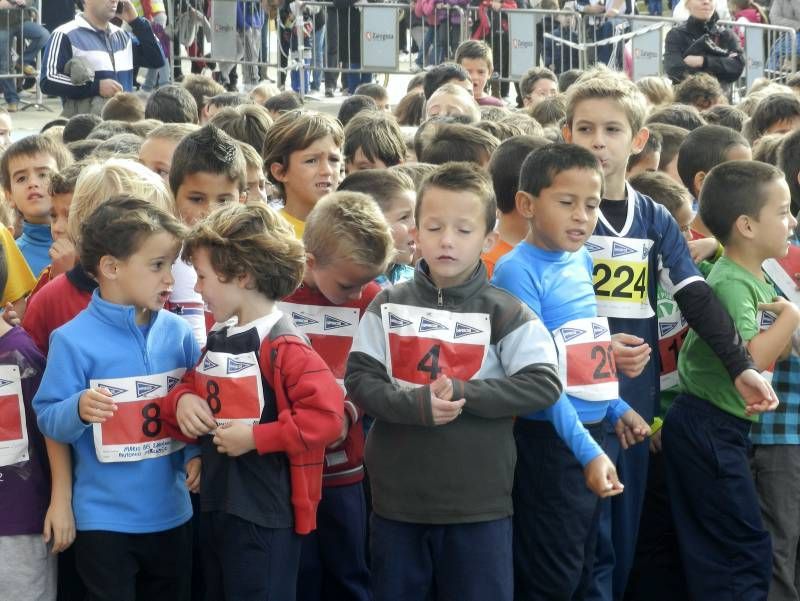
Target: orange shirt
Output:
[(491, 258)]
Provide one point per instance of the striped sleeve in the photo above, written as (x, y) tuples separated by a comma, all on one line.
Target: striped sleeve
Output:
[(53, 79)]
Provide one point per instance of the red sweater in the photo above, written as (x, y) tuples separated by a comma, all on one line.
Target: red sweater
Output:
[(309, 404), (330, 329), (56, 303)]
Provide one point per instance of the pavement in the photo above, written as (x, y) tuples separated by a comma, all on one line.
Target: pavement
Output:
[(30, 119)]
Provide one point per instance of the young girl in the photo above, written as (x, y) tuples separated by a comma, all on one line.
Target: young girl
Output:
[(747, 11), (272, 402), (303, 159)]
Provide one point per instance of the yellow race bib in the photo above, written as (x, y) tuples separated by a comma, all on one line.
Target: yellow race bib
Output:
[(620, 276)]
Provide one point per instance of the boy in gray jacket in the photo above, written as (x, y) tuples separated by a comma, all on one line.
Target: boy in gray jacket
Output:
[(443, 363)]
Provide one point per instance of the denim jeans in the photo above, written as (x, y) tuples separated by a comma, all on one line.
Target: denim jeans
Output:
[(318, 59)]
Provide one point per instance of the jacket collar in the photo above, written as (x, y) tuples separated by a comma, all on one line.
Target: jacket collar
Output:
[(453, 296), (118, 316), (37, 232), (80, 279)]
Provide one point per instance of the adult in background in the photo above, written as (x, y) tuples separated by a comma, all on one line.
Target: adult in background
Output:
[(13, 23), (702, 46), (104, 54)]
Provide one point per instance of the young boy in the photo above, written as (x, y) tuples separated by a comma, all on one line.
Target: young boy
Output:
[(395, 193), (504, 168), (373, 140), (672, 137), (746, 206), (444, 363), (108, 372), (635, 245), (476, 57), (648, 159), (453, 100), (207, 171), (265, 397), (159, 147), (775, 114), (348, 244), (26, 167), (258, 189), (461, 143), (537, 84), (555, 528)]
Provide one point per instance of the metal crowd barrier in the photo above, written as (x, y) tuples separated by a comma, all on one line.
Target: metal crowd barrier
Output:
[(13, 43), (306, 46)]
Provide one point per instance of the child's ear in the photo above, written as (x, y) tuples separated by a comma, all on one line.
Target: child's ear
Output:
[(107, 267), (277, 170), (566, 133), (244, 280), (524, 202), (697, 183), (311, 261), (639, 140), (743, 225), (490, 241)]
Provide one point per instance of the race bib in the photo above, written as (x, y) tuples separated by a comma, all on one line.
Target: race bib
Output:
[(135, 431), (585, 359), (13, 427), (424, 343), (620, 276), (231, 384), (330, 331), (672, 331), (765, 319)]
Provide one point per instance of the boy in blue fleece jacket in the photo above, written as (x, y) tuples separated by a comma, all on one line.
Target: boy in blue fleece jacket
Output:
[(109, 369)]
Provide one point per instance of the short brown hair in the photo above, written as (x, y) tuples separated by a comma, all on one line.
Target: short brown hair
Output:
[(549, 112), (475, 49), (701, 90), (126, 106), (603, 83), (456, 142), (531, 76), (416, 171), (251, 157), (250, 239), (211, 150), (661, 188), (247, 123), (378, 136), (202, 87), (411, 109), (119, 226), (383, 185), (461, 177), (349, 226), (29, 146), (175, 132), (296, 130), (64, 181)]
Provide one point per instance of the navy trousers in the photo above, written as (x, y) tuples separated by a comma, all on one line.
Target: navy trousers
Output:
[(725, 549), (246, 562), (424, 562), (333, 563), (555, 516)]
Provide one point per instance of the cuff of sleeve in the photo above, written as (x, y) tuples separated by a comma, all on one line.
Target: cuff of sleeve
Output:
[(591, 453), (616, 409), (190, 451)]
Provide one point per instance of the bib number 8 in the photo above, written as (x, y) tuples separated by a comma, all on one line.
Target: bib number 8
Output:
[(212, 397), (151, 426), (623, 282)]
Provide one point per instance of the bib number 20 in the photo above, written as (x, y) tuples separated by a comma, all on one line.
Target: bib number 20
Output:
[(605, 367)]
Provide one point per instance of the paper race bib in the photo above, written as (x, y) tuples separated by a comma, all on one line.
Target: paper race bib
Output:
[(423, 343), (672, 331), (13, 427), (620, 276), (231, 384), (765, 319), (330, 330), (135, 431), (585, 359)]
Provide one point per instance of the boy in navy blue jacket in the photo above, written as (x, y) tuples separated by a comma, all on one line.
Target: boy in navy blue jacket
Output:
[(110, 367)]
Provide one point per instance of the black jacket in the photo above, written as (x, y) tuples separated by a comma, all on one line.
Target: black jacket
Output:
[(718, 46)]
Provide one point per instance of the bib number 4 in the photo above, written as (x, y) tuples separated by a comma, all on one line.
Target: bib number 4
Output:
[(430, 362)]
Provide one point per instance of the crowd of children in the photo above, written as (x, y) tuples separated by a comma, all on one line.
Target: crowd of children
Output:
[(263, 353)]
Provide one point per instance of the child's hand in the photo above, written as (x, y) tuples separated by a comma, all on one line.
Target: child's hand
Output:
[(756, 391), (631, 429), (601, 477), (703, 249), (11, 316), (234, 439), (778, 306), (631, 354), (443, 408), (655, 442), (62, 257), (95, 406), (343, 434), (193, 469), (59, 525), (194, 416)]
